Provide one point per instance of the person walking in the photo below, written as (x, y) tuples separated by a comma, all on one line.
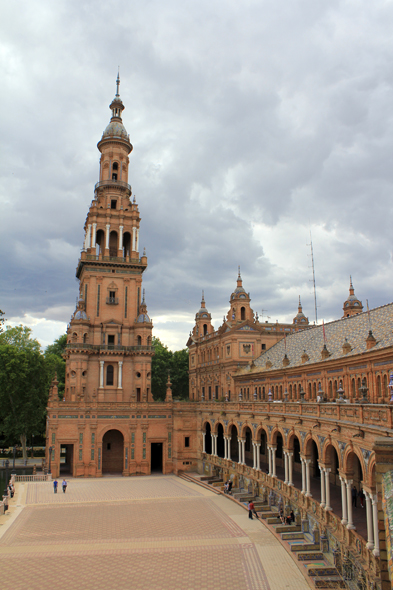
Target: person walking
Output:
[(64, 486), (361, 497), (55, 484), (251, 509)]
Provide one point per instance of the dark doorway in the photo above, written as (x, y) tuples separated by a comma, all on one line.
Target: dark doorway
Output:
[(112, 452), (66, 459), (156, 458)]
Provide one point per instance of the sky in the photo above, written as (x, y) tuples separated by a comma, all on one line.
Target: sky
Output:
[(255, 125)]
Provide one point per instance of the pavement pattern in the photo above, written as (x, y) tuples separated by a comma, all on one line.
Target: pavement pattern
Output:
[(155, 532)]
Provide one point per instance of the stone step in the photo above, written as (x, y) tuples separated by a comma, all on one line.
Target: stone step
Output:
[(309, 555), (288, 528), (269, 514), (272, 520), (322, 571), (292, 536), (333, 582), (305, 546)]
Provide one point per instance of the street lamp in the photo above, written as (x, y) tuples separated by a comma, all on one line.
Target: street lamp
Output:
[(7, 464), (32, 446), (50, 458)]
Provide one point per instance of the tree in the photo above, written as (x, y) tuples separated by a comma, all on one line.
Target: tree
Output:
[(165, 361), (160, 365), (20, 337), (2, 321), (23, 391), (56, 363)]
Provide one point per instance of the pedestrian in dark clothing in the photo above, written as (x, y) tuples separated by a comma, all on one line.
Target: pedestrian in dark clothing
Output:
[(230, 484), (55, 484), (64, 486), (361, 497), (354, 496), (251, 509)]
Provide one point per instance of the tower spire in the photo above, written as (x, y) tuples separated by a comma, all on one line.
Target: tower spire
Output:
[(118, 82)]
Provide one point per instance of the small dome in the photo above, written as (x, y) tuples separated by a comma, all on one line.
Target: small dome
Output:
[(143, 318), (239, 290), (80, 315), (115, 129)]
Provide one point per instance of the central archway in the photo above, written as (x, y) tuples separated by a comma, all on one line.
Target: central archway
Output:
[(112, 452)]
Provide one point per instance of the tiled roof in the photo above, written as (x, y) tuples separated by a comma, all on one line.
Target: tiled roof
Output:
[(355, 329)]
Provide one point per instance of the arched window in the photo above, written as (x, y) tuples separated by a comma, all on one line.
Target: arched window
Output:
[(242, 313), (100, 242), (113, 244), (109, 375), (126, 244), (74, 337), (85, 338), (139, 340), (204, 329), (115, 168)]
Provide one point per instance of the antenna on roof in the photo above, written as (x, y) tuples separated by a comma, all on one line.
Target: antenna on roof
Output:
[(313, 278)]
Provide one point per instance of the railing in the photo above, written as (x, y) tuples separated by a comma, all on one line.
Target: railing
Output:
[(373, 415), (111, 182), (97, 257), (112, 300), (114, 347), (30, 478)]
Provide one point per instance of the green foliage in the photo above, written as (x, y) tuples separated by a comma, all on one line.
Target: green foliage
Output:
[(176, 363), (20, 337), (55, 362), (23, 391), (2, 321)]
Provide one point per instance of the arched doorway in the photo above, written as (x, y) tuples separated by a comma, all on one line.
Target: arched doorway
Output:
[(220, 441), (248, 447), (112, 452), (208, 439), (234, 444)]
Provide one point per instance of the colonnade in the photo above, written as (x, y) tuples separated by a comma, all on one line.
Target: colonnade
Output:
[(325, 503), (91, 237)]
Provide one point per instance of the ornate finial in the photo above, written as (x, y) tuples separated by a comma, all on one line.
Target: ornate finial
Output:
[(118, 82), (144, 251), (239, 275), (134, 200), (203, 295)]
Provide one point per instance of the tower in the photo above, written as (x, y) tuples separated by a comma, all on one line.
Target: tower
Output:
[(240, 309), (300, 321), (352, 305), (109, 337)]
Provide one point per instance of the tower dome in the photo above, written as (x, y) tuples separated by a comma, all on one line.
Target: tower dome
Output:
[(300, 320), (115, 128)]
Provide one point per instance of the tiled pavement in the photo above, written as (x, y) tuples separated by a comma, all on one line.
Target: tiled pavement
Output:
[(151, 532)]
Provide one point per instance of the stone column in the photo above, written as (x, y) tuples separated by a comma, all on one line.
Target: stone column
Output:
[(303, 475), (254, 462), (120, 376), (243, 452), (229, 449), (214, 437), (101, 374), (308, 492), (203, 442), (369, 512), (350, 524), (239, 445), (225, 447), (88, 237), (269, 459), (133, 238), (374, 501), (323, 502), (94, 236), (290, 468), (274, 461), (121, 237), (137, 240), (285, 467), (258, 454), (344, 519), (107, 232), (327, 488)]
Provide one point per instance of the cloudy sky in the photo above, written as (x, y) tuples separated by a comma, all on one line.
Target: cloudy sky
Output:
[(253, 123)]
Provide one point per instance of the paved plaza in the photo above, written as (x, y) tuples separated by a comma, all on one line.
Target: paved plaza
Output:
[(153, 532)]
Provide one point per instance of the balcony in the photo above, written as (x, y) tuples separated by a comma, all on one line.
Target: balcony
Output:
[(112, 301), (114, 184), (108, 347)]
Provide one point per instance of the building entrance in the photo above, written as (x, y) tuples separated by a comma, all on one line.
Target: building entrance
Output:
[(156, 458), (66, 459), (112, 452)]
